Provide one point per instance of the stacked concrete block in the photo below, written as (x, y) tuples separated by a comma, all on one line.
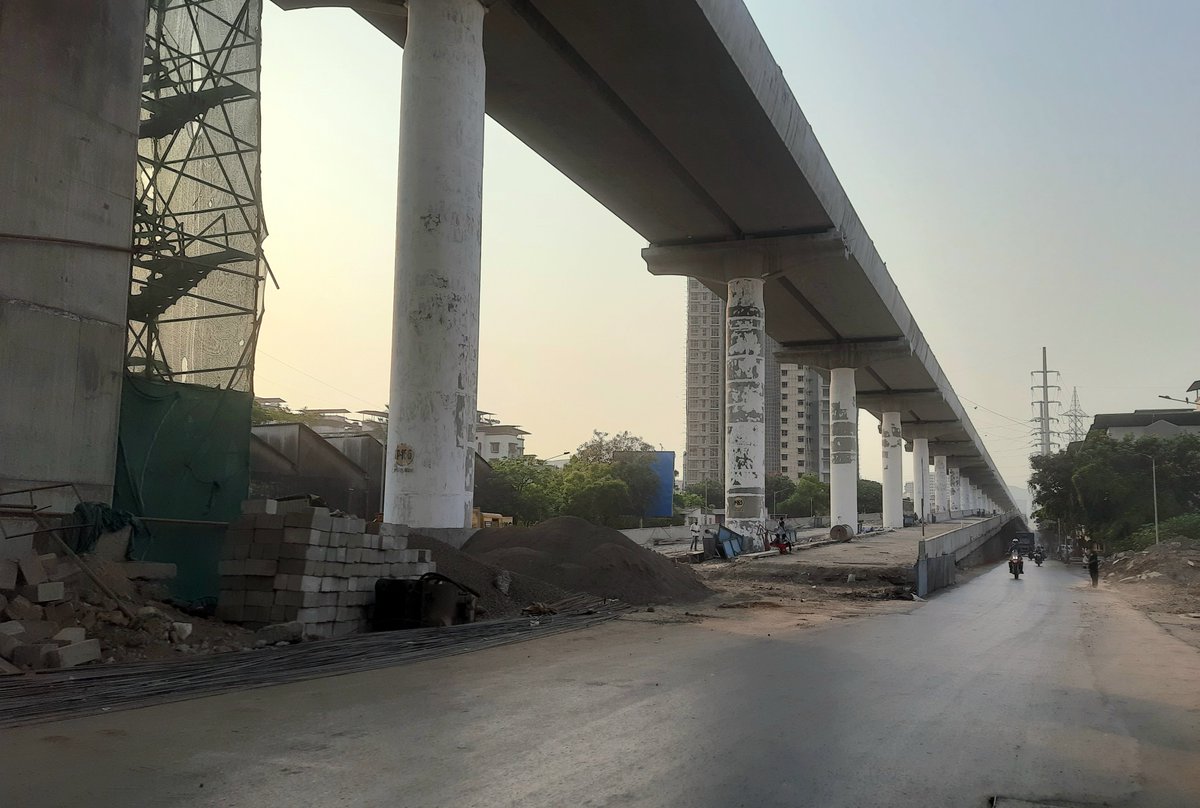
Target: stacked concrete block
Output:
[(285, 561)]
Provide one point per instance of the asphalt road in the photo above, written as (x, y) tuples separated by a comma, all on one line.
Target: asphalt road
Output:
[(1040, 689)]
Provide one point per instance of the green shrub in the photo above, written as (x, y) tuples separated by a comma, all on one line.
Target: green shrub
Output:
[(1178, 528)]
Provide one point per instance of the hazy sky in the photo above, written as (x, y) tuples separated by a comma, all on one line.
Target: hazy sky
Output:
[(1028, 171)]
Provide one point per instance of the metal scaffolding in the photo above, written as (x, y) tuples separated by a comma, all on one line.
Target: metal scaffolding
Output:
[(196, 284)]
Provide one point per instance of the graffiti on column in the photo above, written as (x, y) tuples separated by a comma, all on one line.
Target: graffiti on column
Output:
[(892, 442), (745, 399), (843, 437)]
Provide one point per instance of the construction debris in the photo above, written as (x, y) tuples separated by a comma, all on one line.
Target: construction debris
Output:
[(1173, 559), (61, 612)]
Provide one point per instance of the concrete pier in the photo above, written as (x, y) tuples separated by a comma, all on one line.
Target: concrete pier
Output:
[(920, 474), (941, 491), (955, 478), (745, 401), (70, 82), (435, 323), (843, 448), (893, 470)]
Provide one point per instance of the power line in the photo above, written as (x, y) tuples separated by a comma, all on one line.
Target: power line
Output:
[(261, 352), (1023, 424)]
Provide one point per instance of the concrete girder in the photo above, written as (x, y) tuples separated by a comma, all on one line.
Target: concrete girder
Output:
[(949, 429), (879, 401), (844, 353), (956, 448), (719, 262)]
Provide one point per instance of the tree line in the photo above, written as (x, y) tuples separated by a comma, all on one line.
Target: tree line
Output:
[(598, 483), (1102, 489), (604, 485), (807, 496)]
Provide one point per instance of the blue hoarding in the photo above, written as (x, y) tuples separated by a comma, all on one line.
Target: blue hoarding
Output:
[(663, 466)]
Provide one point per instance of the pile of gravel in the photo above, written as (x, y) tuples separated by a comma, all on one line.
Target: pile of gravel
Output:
[(489, 581), (577, 556)]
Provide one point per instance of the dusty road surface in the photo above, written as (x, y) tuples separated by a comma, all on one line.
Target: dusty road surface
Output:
[(1039, 689)]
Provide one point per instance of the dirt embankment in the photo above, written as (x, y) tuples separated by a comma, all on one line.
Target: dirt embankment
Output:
[(761, 596), (1163, 581), (577, 556)]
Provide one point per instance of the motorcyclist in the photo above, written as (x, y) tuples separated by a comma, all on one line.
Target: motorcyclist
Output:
[(1016, 564)]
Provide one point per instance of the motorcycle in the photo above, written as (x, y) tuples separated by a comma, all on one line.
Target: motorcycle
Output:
[(1038, 558), (1016, 565)]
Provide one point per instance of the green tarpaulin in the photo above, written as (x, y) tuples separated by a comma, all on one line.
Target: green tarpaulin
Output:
[(183, 453)]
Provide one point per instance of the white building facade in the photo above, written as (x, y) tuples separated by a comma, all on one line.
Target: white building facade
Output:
[(494, 440)]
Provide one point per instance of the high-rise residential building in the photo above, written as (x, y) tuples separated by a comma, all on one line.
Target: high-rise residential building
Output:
[(803, 422), (704, 449), (786, 400)]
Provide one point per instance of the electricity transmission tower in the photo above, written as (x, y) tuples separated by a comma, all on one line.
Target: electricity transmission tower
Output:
[(1077, 427), (1045, 434)]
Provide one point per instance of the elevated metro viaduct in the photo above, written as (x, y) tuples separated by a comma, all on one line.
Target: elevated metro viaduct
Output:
[(671, 113)]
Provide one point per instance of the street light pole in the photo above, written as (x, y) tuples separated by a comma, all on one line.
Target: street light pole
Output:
[(1154, 484), (1153, 487)]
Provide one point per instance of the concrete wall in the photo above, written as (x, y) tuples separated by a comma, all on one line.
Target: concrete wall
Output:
[(366, 451), (70, 77), (994, 548), (290, 459), (647, 535), (938, 558)]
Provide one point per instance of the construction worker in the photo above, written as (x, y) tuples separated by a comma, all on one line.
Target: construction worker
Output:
[(695, 534)]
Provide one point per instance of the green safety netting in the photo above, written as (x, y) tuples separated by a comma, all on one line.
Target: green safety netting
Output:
[(183, 454)]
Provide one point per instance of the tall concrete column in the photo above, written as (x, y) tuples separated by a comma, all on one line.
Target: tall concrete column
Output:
[(964, 487), (893, 470), (70, 85), (843, 449), (941, 490), (920, 474), (435, 314), (745, 402), (955, 489)]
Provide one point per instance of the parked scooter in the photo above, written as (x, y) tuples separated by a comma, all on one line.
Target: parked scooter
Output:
[(1016, 565)]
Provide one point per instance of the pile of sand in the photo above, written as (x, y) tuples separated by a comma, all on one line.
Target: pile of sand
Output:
[(501, 593), (577, 556)]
